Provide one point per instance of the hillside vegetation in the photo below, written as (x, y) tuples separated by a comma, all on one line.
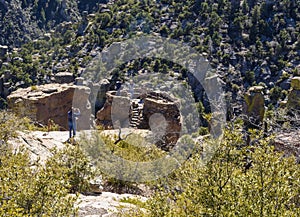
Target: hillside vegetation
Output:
[(249, 42)]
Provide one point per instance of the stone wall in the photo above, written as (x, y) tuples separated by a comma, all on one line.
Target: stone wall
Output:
[(115, 112), (160, 114), (52, 101)]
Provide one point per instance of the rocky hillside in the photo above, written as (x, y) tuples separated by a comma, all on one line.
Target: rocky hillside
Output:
[(24, 20), (247, 42)]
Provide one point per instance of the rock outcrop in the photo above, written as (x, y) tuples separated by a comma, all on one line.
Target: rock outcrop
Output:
[(115, 112), (52, 101), (98, 93), (39, 144), (288, 143), (64, 77), (254, 107), (293, 102), (107, 204)]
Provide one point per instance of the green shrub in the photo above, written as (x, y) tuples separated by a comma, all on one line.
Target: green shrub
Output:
[(108, 153), (32, 191), (248, 181), (76, 166), (275, 94), (9, 124), (28, 188)]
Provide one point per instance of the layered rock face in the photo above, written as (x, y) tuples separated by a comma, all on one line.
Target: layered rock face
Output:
[(254, 107), (293, 102), (52, 101)]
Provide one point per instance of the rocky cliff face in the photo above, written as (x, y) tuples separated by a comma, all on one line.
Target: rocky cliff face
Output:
[(52, 101)]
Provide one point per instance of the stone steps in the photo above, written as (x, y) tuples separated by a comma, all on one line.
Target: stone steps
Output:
[(136, 117)]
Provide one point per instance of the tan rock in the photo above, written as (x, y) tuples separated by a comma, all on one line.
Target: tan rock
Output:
[(288, 143), (170, 123), (295, 83), (256, 89), (51, 101), (293, 102), (254, 107), (64, 77), (39, 144), (115, 112)]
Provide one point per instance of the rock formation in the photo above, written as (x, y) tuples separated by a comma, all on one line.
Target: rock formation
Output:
[(52, 101), (293, 102), (98, 93), (64, 77), (288, 143), (254, 107), (115, 112), (162, 116), (158, 112), (39, 144)]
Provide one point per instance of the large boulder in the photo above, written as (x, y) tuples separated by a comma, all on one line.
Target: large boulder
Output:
[(288, 143), (254, 107), (100, 93), (64, 77), (293, 102), (295, 83), (52, 101)]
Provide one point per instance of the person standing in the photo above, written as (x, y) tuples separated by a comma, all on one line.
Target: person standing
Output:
[(73, 115)]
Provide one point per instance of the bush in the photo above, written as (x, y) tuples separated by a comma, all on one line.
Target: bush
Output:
[(238, 181), (28, 188), (9, 124), (32, 191), (108, 153), (76, 166)]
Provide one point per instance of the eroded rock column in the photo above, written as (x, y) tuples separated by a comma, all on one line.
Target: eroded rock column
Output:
[(254, 107), (293, 103)]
